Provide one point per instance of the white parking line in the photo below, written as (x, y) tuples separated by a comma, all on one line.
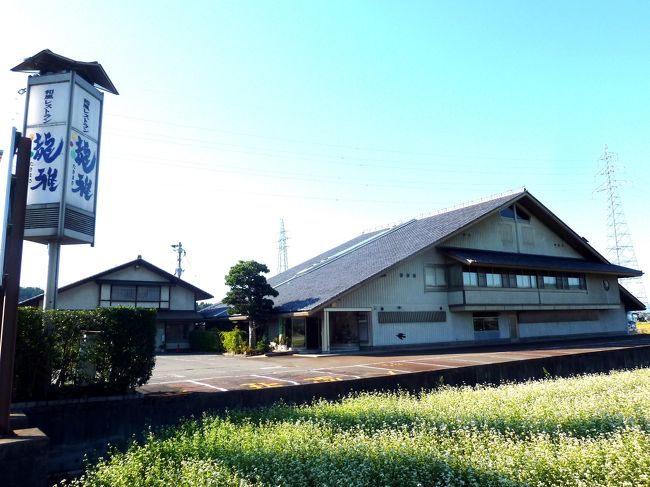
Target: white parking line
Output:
[(152, 382), (335, 373), (470, 360), (276, 378), (382, 368), (431, 363), (207, 385), (273, 367)]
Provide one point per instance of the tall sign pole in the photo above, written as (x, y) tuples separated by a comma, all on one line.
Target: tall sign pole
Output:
[(63, 117)]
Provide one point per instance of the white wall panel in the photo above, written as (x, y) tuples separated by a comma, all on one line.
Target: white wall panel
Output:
[(85, 296), (181, 299)]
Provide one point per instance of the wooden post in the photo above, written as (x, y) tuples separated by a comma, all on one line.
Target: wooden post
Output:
[(13, 258)]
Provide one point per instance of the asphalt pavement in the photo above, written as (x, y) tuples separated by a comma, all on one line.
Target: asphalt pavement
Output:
[(184, 372)]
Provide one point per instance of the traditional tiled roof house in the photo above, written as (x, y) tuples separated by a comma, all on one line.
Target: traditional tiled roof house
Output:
[(504, 269)]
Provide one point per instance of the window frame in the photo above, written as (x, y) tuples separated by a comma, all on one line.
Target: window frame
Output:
[(436, 271)]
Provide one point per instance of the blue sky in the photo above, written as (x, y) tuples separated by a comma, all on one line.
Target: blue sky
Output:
[(338, 117)]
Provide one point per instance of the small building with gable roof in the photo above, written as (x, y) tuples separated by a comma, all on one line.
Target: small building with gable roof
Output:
[(140, 284)]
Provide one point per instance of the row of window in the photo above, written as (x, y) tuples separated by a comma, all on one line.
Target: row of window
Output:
[(525, 280), (435, 276), (135, 293), (139, 295)]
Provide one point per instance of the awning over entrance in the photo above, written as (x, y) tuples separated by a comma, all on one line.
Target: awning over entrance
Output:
[(539, 262)]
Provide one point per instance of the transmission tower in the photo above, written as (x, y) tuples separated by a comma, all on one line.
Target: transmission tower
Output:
[(180, 252), (283, 262), (620, 249)]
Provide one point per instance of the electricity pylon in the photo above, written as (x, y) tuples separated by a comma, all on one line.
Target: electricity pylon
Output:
[(283, 262), (620, 249)]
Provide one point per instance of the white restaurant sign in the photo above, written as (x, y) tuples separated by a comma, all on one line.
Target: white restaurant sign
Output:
[(64, 122)]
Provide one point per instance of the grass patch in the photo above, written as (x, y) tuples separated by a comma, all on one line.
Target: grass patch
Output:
[(591, 430)]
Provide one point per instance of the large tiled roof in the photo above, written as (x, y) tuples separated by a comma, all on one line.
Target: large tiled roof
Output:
[(320, 280)]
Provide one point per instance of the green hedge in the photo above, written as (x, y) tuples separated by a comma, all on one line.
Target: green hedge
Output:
[(62, 353), (205, 341)]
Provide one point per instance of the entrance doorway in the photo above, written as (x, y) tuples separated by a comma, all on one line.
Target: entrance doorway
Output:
[(312, 334), (303, 333), (348, 329)]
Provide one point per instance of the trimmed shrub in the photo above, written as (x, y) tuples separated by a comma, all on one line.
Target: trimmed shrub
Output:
[(234, 341), (205, 341), (67, 353), (124, 348), (32, 365), (65, 329)]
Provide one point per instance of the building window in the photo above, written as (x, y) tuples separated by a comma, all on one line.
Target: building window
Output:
[(522, 215), (434, 276), (148, 293), (508, 212), (138, 295), (550, 282), (574, 282), (493, 280), (486, 322), (526, 281), (470, 279), (513, 210), (123, 293)]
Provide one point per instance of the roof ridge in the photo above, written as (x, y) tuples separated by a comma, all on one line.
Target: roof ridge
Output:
[(344, 252), (466, 204)]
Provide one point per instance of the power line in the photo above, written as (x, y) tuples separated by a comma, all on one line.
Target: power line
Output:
[(354, 148)]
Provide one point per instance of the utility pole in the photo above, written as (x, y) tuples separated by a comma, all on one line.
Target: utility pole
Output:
[(180, 251), (620, 249), (283, 263)]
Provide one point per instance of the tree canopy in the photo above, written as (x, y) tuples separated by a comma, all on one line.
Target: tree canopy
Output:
[(29, 292), (248, 294)]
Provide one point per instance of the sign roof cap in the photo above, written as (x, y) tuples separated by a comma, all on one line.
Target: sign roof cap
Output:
[(46, 62)]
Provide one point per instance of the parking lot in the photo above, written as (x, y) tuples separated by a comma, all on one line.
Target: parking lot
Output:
[(179, 373)]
